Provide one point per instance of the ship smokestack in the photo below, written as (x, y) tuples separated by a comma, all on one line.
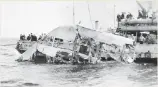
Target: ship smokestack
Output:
[(96, 25)]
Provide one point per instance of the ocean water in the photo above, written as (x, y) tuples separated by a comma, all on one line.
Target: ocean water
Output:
[(107, 74)]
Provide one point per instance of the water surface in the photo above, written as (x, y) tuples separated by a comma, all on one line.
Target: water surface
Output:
[(108, 74)]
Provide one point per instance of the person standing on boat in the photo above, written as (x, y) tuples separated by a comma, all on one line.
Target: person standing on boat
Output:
[(28, 37), (118, 18), (20, 36), (148, 54), (122, 15), (141, 39), (35, 38), (139, 14), (134, 38), (129, 15), (23, 36), (31, 36)]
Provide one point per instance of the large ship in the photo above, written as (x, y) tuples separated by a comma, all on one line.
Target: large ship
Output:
[(143, 30)]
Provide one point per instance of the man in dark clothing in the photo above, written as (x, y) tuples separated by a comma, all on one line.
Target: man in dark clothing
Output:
[(35, 38), (122, 16), (118, 18), (130, 15), (20, 36), (51, 39), (31, 37), (28, 37), (139, 14), (24, 37), (148, 54)]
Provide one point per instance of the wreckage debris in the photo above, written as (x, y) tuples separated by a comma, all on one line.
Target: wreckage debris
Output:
[(84, 49)]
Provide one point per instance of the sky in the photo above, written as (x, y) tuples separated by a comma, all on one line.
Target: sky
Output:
[(24, 17)]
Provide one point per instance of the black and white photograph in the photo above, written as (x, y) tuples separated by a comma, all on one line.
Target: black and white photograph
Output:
[(78, 43)]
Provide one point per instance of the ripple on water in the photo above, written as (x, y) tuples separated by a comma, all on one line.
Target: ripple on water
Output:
[(8, 82), (7, 54), (17, 83), (47, 75), (30, 84)]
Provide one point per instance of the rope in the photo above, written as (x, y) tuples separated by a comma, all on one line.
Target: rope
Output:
[(90, 15)]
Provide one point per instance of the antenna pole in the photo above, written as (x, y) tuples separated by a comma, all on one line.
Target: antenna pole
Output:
[(73, 13), (90, 14), (114, 15)]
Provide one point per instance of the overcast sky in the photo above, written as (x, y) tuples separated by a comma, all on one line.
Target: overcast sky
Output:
[(43, 16)]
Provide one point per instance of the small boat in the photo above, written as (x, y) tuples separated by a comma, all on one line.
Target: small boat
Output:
[(23, 45), (86, 48)]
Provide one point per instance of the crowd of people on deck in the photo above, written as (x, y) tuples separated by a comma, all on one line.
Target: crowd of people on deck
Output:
[(32, 37), (124, 16), (42, 36), (141, 15)]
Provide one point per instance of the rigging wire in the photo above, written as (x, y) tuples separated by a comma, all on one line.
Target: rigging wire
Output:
[(90, 15)]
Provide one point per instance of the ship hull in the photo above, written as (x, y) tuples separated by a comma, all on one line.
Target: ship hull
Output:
[(146, 60)]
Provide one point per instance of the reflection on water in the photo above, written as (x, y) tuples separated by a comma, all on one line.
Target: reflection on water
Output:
[(108, 74)]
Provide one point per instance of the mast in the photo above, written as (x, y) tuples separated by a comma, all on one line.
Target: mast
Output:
[(73, 13), (114, 15), (143, 10), (90, 14)]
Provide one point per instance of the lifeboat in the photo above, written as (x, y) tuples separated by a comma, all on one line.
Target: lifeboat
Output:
[(23, 45)]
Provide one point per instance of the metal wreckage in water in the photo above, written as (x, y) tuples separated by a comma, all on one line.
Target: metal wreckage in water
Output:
[(77, 44)]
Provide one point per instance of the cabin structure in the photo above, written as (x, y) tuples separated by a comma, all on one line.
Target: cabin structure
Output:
[(138, 27)]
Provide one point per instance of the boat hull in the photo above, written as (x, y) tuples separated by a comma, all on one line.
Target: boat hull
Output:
[(39, 57), (20, 51), (22, 46)]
